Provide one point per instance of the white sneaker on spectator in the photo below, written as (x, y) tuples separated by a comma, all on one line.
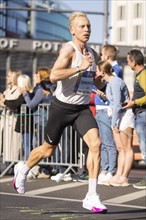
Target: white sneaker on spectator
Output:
[(19, 180), (59, 176), (101, 177), (33, 172), (31, 175), (94, 204), (106, 179), (43, 175), (56, 177), (67, 177)]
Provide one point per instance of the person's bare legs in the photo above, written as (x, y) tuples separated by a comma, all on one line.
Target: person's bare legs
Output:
[(92, 200), (125, 153), (39, 153), (121, 153), (21, 170), (125, 158), (120, 162), (93, 142), (126, 137)]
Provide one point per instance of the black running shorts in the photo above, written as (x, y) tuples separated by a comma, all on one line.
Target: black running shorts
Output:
[(62, 115)]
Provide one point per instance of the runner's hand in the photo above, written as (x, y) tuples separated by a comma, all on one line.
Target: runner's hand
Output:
[(87, 61)]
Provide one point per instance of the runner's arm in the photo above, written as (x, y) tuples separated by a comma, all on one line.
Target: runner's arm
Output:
[(61, 69)]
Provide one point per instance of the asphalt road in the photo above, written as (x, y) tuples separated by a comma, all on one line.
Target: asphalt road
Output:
[(46, 199)]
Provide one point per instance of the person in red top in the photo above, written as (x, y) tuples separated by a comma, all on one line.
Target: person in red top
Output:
[(92, 103)]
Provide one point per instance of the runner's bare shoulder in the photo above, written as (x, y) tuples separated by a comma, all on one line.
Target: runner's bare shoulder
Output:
[(67, 48)]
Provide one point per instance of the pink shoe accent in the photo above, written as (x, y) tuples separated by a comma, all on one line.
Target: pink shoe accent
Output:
[(94, 209), (14, 186)]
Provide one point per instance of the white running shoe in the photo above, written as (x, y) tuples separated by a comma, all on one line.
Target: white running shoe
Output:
[(94, 204), (106, 179), (19, 180), (59, 176), (101, 177)]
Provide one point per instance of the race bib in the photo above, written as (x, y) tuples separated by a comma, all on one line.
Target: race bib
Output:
[(84, 83)]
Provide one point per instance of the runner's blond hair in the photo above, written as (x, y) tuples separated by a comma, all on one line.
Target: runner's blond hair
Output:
[(75, 15)]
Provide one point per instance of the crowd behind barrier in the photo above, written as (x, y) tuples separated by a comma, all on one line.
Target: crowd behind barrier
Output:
[(69, 153)]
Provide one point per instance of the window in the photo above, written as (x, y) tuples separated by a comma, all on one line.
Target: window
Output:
[(137, 10), (121, 12), (137, 32), (121, 34)]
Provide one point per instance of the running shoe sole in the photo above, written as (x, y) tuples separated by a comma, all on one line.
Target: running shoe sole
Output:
[(139, 187), (88, 206), (106, 184), (13, 184), (95, 209), (122, 184), (14, 180)]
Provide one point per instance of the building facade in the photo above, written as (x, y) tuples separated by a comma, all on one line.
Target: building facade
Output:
[(128, 22), (128, 28), (13, 23), (34, 24), (47, 25), (33, 37), (37, 24)]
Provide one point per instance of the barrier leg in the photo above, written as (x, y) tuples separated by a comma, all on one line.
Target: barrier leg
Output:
[(7, 169)]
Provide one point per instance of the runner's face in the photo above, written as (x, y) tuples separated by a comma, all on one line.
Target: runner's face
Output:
[(81, 29)]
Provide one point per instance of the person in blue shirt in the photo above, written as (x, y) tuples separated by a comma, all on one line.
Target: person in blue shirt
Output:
[(109, 53), (122, 122), (108, 147)]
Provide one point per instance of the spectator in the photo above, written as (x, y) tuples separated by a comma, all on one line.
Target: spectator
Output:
[(43, 91), (24, 122), (122, 123), (135, 60), (10, 140), (108, 147), (109, 53), (43, 94)]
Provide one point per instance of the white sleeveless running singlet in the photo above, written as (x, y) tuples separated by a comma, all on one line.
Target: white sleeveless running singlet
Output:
[(77, 88)]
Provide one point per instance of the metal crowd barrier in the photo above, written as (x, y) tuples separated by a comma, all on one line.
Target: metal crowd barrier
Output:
[(69, 152)]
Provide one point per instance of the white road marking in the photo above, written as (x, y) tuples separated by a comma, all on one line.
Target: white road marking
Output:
[(53, 188), (117, 201), (71, 200), (127, 197), (6, 180), (42, 197)]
